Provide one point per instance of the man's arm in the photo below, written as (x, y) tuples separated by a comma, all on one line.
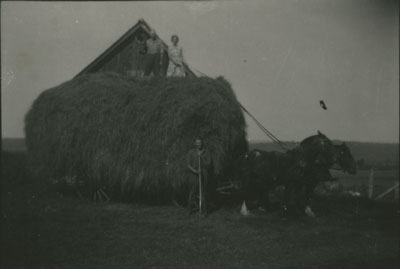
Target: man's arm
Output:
[(193, 170), (189, 166), (181, 54)]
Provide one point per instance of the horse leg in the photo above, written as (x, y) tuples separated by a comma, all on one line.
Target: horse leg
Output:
[(309, 212), (294, 199), (307, 207), (309, 192), (243, 210), (263, 200), (248, 194), (287, 197)]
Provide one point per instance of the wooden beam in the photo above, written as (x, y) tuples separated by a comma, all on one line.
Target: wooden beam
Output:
[(388, 191)]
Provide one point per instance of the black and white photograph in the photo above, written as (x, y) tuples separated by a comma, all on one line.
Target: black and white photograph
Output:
[(200, 134)]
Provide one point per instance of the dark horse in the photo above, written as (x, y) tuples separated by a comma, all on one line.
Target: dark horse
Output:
[(299, 170), (320, 155)]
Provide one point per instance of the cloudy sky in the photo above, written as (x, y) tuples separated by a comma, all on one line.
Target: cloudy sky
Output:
[(281, 57)]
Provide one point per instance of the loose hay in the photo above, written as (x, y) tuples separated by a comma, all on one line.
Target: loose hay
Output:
[(131, 137)]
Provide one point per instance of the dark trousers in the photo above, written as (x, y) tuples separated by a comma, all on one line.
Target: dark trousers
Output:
[(193, 200), (152, 64)]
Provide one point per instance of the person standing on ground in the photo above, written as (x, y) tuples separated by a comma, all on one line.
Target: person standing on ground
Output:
[(175, 54), (198, 163), (154, 56)]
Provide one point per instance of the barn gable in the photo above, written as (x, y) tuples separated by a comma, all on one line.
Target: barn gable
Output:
[(122, 57)]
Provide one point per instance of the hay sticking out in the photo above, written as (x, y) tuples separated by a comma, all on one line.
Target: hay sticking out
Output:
[(131, 137)]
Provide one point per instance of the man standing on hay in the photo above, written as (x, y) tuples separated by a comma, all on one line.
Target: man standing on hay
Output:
[(154, 56), (199, 162)]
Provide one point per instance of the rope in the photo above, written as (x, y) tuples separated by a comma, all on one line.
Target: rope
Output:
[(201, 73), (265, 130)]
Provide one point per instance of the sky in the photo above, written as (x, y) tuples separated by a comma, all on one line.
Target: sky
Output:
[(281, 57)]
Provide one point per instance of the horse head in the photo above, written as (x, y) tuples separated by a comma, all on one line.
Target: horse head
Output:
[(318, 138), (345, 159), (319, 149)]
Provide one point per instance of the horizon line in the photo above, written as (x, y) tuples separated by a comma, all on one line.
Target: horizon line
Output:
[(253, 141)]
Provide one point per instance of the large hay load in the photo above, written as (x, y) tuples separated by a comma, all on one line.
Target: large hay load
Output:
[(131, 137)]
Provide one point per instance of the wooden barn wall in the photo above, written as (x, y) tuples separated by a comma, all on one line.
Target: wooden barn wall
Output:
[(126, 60)]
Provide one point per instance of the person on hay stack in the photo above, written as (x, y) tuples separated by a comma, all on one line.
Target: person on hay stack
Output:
[(176, 60), (199, 162), (154, 56), (138, 53)]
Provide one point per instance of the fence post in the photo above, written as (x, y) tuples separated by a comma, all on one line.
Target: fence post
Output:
[(371, 183), (396, 193)]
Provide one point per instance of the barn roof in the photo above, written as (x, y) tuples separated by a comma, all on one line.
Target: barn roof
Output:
[(140, 25)]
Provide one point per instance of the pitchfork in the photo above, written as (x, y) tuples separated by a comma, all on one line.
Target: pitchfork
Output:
[(200, 187)]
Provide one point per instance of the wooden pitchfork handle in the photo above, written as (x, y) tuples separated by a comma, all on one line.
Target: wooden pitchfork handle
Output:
[(200, 189)]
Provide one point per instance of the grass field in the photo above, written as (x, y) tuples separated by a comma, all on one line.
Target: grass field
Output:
[(43, 229), (382, 180)]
